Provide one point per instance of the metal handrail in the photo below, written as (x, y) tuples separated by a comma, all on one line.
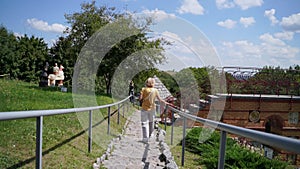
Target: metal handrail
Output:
[(39, 114), (13, 115), (282, 142)]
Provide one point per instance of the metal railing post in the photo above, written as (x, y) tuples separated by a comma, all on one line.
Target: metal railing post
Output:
[(39, 142), (90, 131), (123, 109), (158, 109), (118, 114), (165, 114), (221, 162), (183, 141), (172, 128), (108, 120)]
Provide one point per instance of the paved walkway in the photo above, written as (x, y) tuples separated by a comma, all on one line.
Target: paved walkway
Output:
[(129, 152)]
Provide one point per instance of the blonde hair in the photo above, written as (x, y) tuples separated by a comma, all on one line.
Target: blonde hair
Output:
[(150, 82)]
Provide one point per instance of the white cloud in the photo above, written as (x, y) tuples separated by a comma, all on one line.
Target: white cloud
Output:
[(44, 26), (191, 6), (246, 4), (269, 39), (247, 21), (191, 50), (178, 44), (18, 34), (243, 4), (270, 51), (284, 35), (240, 53), (270, 15), (276, 48), (291, 23), (158, 15), (224, 4), (242, 49), (279, 52), (172, 36), (179, 54), (228, 23)]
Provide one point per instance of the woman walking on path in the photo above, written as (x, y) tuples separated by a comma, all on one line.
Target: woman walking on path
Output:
[(147, 97)]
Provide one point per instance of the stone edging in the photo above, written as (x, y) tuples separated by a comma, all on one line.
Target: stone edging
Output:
[(109, 149), (165, 156)]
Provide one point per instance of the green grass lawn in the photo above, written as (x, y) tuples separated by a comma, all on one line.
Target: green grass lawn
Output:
[(64, 138)]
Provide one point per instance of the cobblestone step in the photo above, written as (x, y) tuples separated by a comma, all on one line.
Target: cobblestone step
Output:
[(129, 152)]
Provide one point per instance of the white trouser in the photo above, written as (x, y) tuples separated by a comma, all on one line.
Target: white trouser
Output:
[(147, 122)]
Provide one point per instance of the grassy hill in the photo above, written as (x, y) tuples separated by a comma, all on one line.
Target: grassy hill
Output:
[(64, 138)]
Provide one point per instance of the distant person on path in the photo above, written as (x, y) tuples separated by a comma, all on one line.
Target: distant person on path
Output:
[(131, 91), (147, 96), (44, 76)]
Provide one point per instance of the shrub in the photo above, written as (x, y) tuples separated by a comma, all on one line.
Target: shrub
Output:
[(236, 156)]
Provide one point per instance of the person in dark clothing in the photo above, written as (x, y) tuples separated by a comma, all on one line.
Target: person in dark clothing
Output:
[(131, 91)]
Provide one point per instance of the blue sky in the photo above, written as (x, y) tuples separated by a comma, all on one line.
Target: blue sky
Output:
[(252, 33)]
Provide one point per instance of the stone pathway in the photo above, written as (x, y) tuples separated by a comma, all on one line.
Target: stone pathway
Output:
[(129, 152)]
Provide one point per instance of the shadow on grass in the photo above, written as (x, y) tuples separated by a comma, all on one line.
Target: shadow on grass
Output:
[(30, 160), (69, 90), (47, 88)]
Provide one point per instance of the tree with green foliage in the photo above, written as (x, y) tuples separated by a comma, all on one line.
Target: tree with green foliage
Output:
[(82, 26), (22, 57), (85, 24), (32, 53), (8, 59), (126, 48), (268, 80), (202, 76), (167, 78)]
